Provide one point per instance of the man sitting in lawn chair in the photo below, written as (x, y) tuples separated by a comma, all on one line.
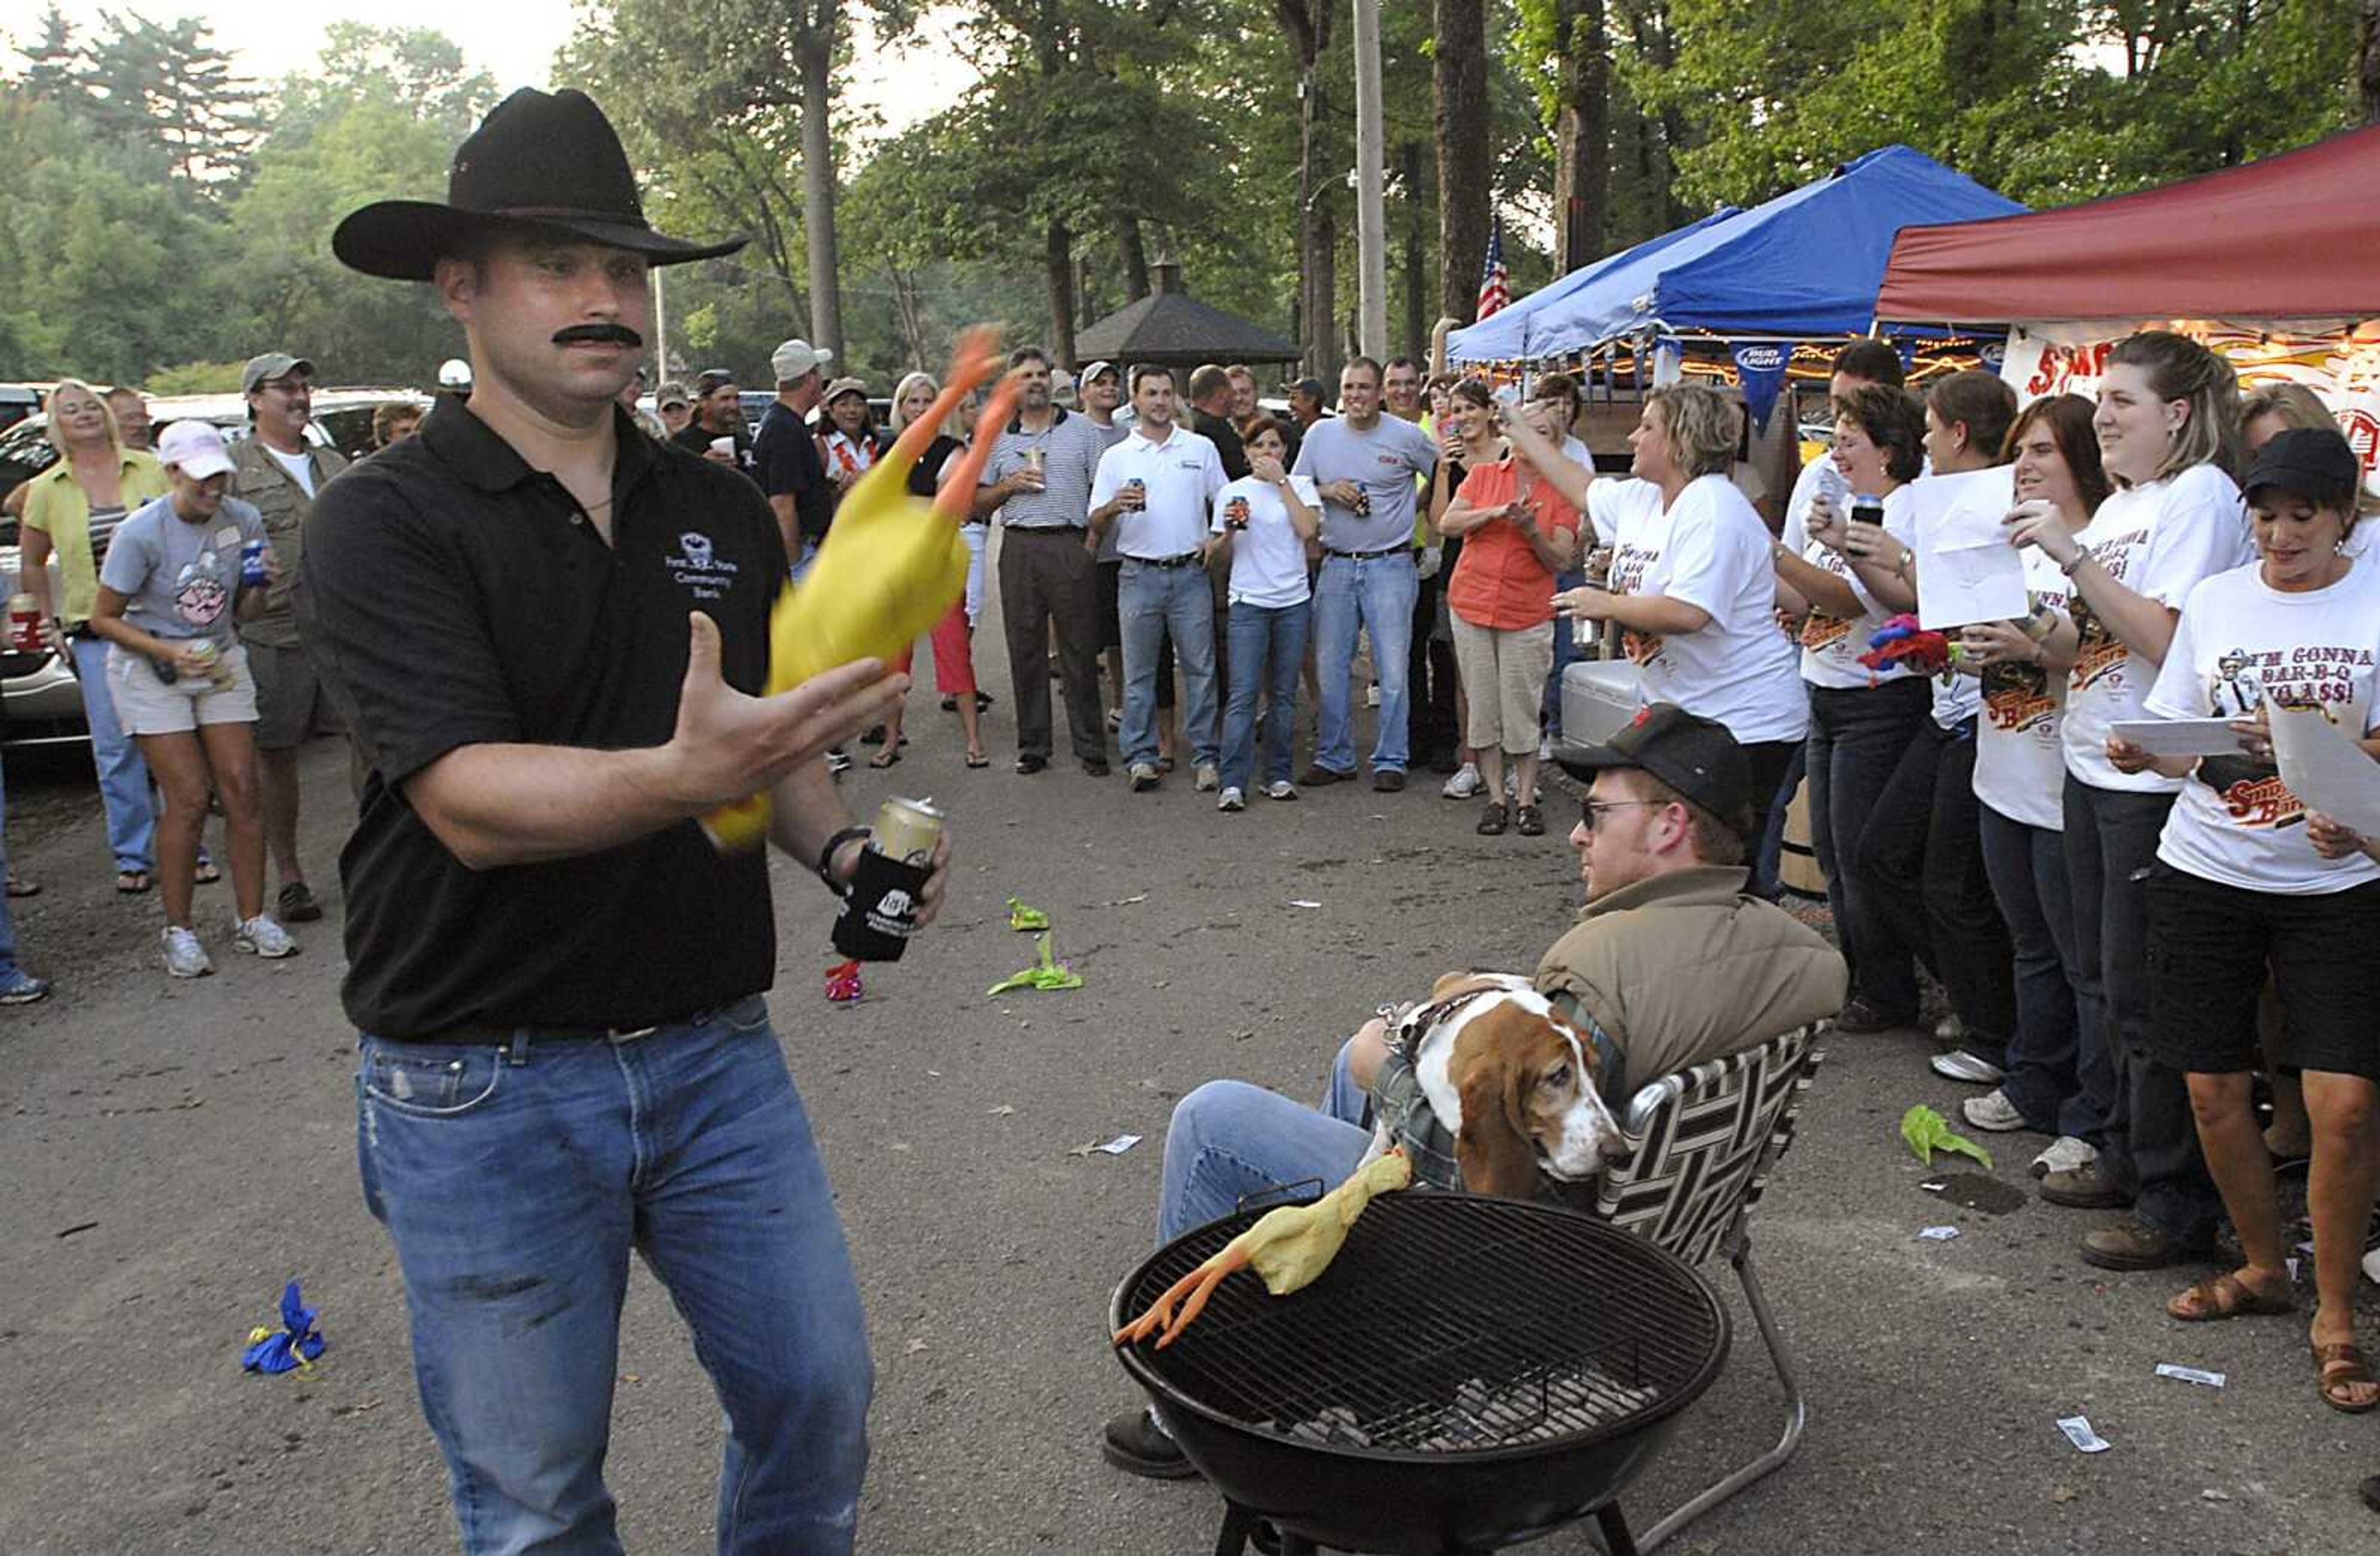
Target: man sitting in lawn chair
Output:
[(1494, 1082)]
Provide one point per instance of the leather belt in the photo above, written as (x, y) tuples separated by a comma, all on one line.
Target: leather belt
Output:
[(504, 1036), (1367, 555), (1044, 528), (1187, 559)]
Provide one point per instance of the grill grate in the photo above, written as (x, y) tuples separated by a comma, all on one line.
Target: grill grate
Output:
[(1448, 1324)]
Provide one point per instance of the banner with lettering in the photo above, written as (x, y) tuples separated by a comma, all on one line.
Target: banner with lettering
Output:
[(1760, 369)]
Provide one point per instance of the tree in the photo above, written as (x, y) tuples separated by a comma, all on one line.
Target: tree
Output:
[(1307, 25), (1460, 76)]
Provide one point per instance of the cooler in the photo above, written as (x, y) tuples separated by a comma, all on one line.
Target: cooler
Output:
[(1599, 697)]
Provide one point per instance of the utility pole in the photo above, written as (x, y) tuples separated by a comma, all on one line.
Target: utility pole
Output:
[(1371, 222), (661, 333)]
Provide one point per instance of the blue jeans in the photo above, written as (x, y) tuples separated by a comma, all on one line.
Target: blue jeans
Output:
[(7, 922), (123, 776), (1566, 654), (513, 1181), (1230, 1140), (1377, 594), (2027, 866), (1263, 639), (1156, 603), (1856, 738)]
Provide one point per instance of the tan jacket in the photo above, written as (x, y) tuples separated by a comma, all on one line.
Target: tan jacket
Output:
[(1683, 968), (258, 478)]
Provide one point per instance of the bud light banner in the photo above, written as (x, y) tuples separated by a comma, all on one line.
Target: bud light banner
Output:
[(1760, 368)]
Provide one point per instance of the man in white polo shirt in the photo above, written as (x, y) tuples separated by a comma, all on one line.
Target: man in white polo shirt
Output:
[(1153, 489)]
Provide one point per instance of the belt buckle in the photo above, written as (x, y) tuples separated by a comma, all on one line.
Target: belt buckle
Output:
[(620, 1035)]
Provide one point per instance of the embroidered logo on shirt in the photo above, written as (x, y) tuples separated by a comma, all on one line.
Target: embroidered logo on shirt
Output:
[(699, 568)]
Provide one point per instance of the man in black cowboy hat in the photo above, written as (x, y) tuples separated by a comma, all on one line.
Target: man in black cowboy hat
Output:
[(549, 635)]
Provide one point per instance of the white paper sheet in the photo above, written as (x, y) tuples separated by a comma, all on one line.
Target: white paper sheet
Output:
[(2178, 738), (2327, 770), (1966, 570)]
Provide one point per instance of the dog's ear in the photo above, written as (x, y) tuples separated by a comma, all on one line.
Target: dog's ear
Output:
[(1493, 1148)]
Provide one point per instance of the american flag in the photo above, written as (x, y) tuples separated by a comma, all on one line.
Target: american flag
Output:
[(1493, 293)]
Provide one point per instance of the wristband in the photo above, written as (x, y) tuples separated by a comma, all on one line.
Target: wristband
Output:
[(2069, 567), (826, 855)]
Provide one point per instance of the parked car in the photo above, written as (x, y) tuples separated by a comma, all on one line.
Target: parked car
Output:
[(40, 703), (19, 401)]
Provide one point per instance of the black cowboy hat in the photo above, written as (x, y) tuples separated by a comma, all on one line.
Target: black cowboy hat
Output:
[(538, 164)]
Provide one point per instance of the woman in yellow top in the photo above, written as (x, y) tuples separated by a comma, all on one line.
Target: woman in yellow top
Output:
[(71, 510)]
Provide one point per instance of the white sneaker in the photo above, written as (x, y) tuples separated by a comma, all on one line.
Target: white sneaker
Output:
[(263, 936), (2066, 1154), (1208, 778), (1959, 1064), (1464, 783), (1280, 788), (1231, 799), (1994, 1111), (185, 957), (1545, 747)]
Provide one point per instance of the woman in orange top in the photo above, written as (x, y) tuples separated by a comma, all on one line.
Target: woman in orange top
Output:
[(1517, 533)]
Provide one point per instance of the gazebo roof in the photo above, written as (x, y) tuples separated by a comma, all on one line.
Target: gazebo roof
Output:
[(1173, 329)]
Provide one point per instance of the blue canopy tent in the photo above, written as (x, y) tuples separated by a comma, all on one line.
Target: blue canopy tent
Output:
[(1502, 336), (1803, 266)]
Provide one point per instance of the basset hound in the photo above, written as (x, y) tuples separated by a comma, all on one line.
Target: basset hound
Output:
[(1513, 1081)]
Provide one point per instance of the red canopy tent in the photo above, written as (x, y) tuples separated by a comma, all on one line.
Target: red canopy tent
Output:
[(2293, 236)]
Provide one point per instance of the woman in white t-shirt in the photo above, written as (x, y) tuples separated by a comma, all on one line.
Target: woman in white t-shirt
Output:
[(1691, 585), (2292, 641), (2166, 423), (2019, 780), (1860, 719), (1263, 521)]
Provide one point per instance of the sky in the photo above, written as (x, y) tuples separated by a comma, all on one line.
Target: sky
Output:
[(513, 39)]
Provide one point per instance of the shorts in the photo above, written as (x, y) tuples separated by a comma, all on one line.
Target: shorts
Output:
[(1504, 676), (290, 703), (2209, 945), (146, 704)]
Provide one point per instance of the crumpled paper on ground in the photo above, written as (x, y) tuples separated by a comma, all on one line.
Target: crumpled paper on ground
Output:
[(1044, 973)]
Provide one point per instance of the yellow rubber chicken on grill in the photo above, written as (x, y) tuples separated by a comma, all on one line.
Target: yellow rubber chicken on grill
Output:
[(889, 567), (1289, 1248)]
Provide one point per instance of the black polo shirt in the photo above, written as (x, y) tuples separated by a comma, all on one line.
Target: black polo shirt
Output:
[(452, 597), (1218, 431), (785, 462)]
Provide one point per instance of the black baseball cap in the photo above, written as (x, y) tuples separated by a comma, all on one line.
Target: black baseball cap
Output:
[(1692, 754), (710, 381), (2310, 461), (1312, 389)]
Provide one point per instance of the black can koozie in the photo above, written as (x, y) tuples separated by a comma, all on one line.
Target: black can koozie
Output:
[(879, 910)]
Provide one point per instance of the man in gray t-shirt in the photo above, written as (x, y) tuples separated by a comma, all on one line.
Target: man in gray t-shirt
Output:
[(1364, 463)]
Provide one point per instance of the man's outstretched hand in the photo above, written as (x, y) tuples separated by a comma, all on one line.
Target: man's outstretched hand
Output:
[(728, 745)]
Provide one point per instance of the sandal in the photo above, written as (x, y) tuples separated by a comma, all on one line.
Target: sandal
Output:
[(886, 756), (1529, 821), (1491, 821), (207, 873), (23, 888), (2342, 1365), (132, 883), (2224, 1296), (976, 759)]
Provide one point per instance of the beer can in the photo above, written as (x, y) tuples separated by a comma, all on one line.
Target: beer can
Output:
[(1364, 501), (906, 830), (209, 654), (251, 564)]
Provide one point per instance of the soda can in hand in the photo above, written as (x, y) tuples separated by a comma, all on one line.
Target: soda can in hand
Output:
[(251, 564)]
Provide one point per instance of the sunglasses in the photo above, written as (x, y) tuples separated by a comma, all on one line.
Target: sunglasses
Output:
[(1589, 810)]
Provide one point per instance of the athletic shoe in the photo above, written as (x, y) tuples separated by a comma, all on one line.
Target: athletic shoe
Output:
[(2066, 1154), (1206, 780), (185, 957), (2134, 1243), (1388, 781), (1143, 776), (1994, 1111), (2081, 1188), (263, 936), (837, 759), (21, 988), (1959, 1064), (296, 904), (1317, 776), (1465, 783), (1231, 799), (1860, 1019), (1280, 788)]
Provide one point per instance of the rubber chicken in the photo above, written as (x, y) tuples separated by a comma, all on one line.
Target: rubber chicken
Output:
[(1289, 1247), (888, 569)]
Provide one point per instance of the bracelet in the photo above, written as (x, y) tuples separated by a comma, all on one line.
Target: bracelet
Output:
[(2069, 568), (826, 855)]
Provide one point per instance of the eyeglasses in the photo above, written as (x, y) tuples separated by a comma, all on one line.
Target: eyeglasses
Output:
[(1590, 809)]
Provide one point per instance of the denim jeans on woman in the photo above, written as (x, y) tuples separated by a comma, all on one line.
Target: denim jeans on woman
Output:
[(1856, 739), (1268, 646), (1377, 594), (515, 1178), (1230, 1142), (123, 776), (2027, 866), (2149, 1138), (1157, 603)]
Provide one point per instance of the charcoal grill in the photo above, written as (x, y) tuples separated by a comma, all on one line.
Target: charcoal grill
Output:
[(1468, 1374)]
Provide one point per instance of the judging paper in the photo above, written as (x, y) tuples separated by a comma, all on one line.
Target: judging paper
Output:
[(2327, 770), (1966, 569), (2178, 738)]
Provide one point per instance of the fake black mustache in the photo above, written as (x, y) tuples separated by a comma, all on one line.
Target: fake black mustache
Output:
[(606, 335)]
